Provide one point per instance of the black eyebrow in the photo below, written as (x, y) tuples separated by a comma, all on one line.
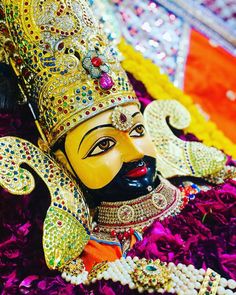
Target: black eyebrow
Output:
[(91, 130), (135, 114), (101, 126)]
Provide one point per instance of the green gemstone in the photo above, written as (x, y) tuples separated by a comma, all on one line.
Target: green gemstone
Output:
[(51, 261), (151, 268)]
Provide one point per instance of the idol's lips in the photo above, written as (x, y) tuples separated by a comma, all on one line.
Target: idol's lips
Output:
[(137, 172)]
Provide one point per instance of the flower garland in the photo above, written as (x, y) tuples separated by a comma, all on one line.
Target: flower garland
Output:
[(159, 87)]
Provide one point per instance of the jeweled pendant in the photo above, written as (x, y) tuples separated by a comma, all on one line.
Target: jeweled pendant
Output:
[(106, 81)]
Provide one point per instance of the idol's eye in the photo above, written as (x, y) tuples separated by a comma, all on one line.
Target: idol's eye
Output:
[(101, 146), (137, 131)]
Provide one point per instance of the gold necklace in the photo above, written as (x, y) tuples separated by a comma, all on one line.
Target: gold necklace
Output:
[(121, 219)]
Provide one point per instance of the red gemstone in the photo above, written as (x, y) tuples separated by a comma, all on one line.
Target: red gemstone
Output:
[(126, 235), (113, 233), (123, 118), (19, 61), (96, 61), (95, 229), (26, 72), (131, 231), (120, 237), (2, 14), (4, 30), (144, 228)]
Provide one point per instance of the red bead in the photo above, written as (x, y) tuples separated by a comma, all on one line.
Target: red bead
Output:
[(113, 233), (126, 235), (131, 231), (120, 237), (96, 61), (144, 228)]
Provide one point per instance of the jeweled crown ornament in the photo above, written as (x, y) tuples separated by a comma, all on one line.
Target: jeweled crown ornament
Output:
[(67, 68)]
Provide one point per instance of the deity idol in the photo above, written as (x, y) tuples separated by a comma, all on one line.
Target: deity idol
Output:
[(103, 162)]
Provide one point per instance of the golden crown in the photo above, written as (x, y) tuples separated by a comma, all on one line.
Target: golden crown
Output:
[(65, 65)]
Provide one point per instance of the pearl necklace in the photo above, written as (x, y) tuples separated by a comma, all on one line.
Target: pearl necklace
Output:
[(155, 276)]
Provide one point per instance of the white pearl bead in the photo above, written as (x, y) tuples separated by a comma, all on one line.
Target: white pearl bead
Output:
[(150, 290), (180, 266), (191, 286), (229, 292), (68, 278), (192, 279), (195, 272), (201, 271), (221, 290), (140, 289), (232, 284), (73, 280), (63, 275), (135, 259), (171, 265), (197, 285), (223, 282), (191, 267), (128, 258), (131, 286), (200, 278)]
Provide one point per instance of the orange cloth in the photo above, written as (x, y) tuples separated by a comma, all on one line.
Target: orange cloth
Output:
[(210, 73), (95, 252)]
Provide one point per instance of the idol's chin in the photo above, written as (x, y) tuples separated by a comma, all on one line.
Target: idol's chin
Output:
[(124, 188)]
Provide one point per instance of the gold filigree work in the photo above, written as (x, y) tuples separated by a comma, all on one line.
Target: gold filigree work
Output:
[(176, 157), (66, 226)]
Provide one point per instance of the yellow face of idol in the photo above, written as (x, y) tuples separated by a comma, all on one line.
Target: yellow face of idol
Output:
[(97, 150)]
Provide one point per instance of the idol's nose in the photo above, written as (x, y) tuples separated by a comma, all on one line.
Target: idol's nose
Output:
[(130, 150)]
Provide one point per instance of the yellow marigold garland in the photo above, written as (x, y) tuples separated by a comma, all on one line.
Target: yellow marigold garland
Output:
[(159, 87)]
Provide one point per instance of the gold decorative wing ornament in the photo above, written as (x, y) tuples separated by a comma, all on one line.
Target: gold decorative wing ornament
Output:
[(66, 226), (176, 157)]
